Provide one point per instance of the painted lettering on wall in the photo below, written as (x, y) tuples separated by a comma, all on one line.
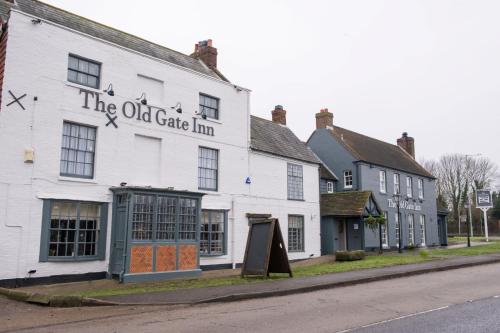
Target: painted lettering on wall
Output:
[(404, 204), (142, 113)]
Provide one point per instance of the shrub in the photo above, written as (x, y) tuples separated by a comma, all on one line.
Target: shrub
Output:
[(349, 255)]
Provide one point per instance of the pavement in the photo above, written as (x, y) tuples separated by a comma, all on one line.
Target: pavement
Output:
[(297, 285), (46, 295)]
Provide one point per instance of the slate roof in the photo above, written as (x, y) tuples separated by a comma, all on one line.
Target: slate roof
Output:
[(370, 150), (276, 139), (101, 31), (348, 204), (326, 173)]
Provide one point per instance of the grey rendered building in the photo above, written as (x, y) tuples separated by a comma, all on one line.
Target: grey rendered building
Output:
[(365, 164)]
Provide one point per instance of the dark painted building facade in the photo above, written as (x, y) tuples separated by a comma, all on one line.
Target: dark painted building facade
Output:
[(389, 172)]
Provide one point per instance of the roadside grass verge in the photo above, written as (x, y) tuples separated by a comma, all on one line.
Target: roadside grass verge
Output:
[(487, 248), (462, 240), (371, 261)]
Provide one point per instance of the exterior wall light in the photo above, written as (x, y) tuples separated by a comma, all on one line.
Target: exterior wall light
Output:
[(177, 107), (201, 113), (109, 90), (143, 99)]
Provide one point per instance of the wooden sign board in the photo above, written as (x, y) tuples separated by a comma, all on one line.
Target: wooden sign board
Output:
[(265, 251)]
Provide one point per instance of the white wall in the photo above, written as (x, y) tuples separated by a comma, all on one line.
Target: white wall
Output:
[(37, 57)]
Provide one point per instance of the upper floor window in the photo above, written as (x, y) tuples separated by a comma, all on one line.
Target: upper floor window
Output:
[(77, 150), (348, 179), (83, 71), (382, 181), (209, 106), (420, 188), (409, 187), (397, 189), (329, 187), (208, 167), (295, 182)]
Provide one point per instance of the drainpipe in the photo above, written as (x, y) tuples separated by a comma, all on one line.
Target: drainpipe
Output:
[(233, 227), (125, 239)]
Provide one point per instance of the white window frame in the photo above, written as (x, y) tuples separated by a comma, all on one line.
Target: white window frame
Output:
[(329, 187), (423, 239), (348, 179), (409, 187), (397, 188), (411, 230), (385, 234), (295, 182), (296, 239), (420, 188), (383, 181)]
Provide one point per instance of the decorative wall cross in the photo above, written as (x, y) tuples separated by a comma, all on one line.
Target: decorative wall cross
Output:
[(16, 100)]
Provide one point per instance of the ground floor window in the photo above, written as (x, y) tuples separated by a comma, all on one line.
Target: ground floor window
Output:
[(411, 231), (385, 239), (295, 233), (397, 226), (422, 230), (73, 230), (213, 232)]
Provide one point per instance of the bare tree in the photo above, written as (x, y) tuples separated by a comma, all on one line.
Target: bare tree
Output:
[(458, 176)]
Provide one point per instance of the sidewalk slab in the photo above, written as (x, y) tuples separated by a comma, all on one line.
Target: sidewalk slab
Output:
[(296, 285)]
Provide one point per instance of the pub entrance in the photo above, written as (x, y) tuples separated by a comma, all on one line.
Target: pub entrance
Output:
[(155, 234)]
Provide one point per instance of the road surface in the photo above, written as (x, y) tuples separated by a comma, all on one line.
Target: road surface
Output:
[(435, 302)]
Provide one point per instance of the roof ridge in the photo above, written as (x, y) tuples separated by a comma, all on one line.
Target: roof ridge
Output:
[(366, 136), (105, 25)]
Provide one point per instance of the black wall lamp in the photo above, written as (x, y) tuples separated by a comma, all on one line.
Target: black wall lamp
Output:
[(143, 99), (201, 113), (109, 90), (36, 21), (177, 107)]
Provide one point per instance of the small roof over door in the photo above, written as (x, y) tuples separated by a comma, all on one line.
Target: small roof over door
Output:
[(352, 203)]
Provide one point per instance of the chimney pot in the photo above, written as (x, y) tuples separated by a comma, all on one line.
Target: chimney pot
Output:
[(279, 115), (204, 51), (324, 119), (407, 143)]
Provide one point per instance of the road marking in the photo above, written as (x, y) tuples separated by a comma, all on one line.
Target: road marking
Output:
[(497, 296), (394, 319)]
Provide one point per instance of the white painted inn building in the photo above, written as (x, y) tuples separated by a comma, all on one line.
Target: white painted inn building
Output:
[(121, 157)]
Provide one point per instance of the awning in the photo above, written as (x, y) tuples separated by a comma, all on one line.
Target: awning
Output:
[(352, 203)]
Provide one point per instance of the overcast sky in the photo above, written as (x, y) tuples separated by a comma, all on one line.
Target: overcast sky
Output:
[(431, 68)]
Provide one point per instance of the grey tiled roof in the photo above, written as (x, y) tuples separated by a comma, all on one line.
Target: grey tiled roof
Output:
[(370, 150), (350, 203), (101, 31), (279, 140)]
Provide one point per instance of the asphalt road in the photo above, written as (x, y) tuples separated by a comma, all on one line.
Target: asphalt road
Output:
[(481, 316), (389, 306)]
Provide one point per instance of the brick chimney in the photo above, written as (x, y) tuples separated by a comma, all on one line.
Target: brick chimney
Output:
[(279, 115), (324, 119), (407, 143), (206, 52)]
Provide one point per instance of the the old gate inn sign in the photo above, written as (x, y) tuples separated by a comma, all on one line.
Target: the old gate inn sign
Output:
[(142, 113), (404, 204)]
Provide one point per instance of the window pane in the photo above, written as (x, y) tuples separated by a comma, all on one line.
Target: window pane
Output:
[(295, 233), (295, 182), (84, 72), (207, 168), (209, 106), (77, 150), (142, 217)]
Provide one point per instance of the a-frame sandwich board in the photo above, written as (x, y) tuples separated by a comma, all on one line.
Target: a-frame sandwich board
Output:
[(265, 250)]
